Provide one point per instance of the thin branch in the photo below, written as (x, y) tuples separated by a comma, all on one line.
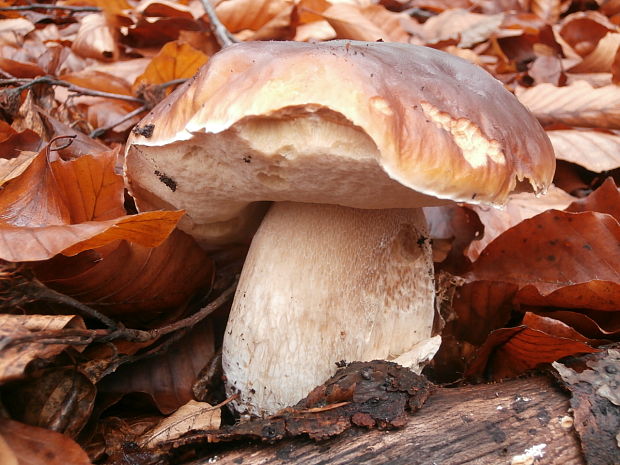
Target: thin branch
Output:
[(100, 131), (27, 83), (137, 335), (40, 6), (222, 35)]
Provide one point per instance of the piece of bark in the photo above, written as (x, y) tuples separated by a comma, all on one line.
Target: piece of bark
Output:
[(524, 421)]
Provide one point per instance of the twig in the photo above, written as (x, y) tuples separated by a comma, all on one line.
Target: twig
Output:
[(137, 335), (174, 82), (100, 131), (57, 336), (222, 35), (27, 83), (40, 6)]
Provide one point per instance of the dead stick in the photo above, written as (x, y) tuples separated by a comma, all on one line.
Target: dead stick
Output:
[(27, 83), (100, 131), (39, 6), (222, 35)]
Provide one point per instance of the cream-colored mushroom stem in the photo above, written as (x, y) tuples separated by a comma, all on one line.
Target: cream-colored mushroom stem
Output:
[(322, 284)]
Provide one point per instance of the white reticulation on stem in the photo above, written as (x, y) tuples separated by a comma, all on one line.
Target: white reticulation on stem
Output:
[(322, 284)]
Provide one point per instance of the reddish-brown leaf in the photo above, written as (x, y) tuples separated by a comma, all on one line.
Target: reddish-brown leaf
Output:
[(95, 38), (168, 377), (601, 58), (17, 355), (519, 207), (57, 206), (509, 352), (578, 104), (595, 325), (29, 445), (553, 250), (133, 283), (175, 60), (605, 199), (583, 30), (595, 150)]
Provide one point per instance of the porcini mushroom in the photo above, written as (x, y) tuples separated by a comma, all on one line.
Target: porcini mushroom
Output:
[(349, 140)]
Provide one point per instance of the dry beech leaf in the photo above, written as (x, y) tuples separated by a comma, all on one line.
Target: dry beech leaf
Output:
[(462, 25), (594, 79), (57, 206), (595, 150), (452, 228), (520, 207), (168, 378), (11, 30), (601, 295), (595, 325), (605, 199), (130, 282), (578, 104), (350, 23), (615, 68), (61, 400), (15, 358), (553, 250), (309, 11), (95, 39), (99, 80), (239, 15), (315, 31), (548, 69), (21, 69), (601, 58), (190, 417), (583, 30), (509, 352), (17, 151), (175, 60), (81, 145), (30, 445), (549, 10), (164, 8)]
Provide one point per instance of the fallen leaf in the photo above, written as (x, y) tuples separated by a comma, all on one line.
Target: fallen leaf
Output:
[(239, 15), (578, 104), (167, 378), (95, 39), (18, 354), (583, 30), (602, 57), (176, 60), (99, 80), (136, 284), (605, 199), (61, 400), (519, 207), (57, 206), (509, 352), (549, 10), (350, 23), (466, 27), (597, 151), (595, 325), (189, 417), (37, 446), (553, 250)]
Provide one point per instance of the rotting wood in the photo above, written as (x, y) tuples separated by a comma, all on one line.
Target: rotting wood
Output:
[(479, 425)]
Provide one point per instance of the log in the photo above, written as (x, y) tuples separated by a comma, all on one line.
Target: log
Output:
[(518, 422)]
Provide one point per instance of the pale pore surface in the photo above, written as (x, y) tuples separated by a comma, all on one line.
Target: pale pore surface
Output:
[(311, 157), (322, 284)]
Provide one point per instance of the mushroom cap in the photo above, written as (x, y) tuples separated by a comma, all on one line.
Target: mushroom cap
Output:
[(365, 125)]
